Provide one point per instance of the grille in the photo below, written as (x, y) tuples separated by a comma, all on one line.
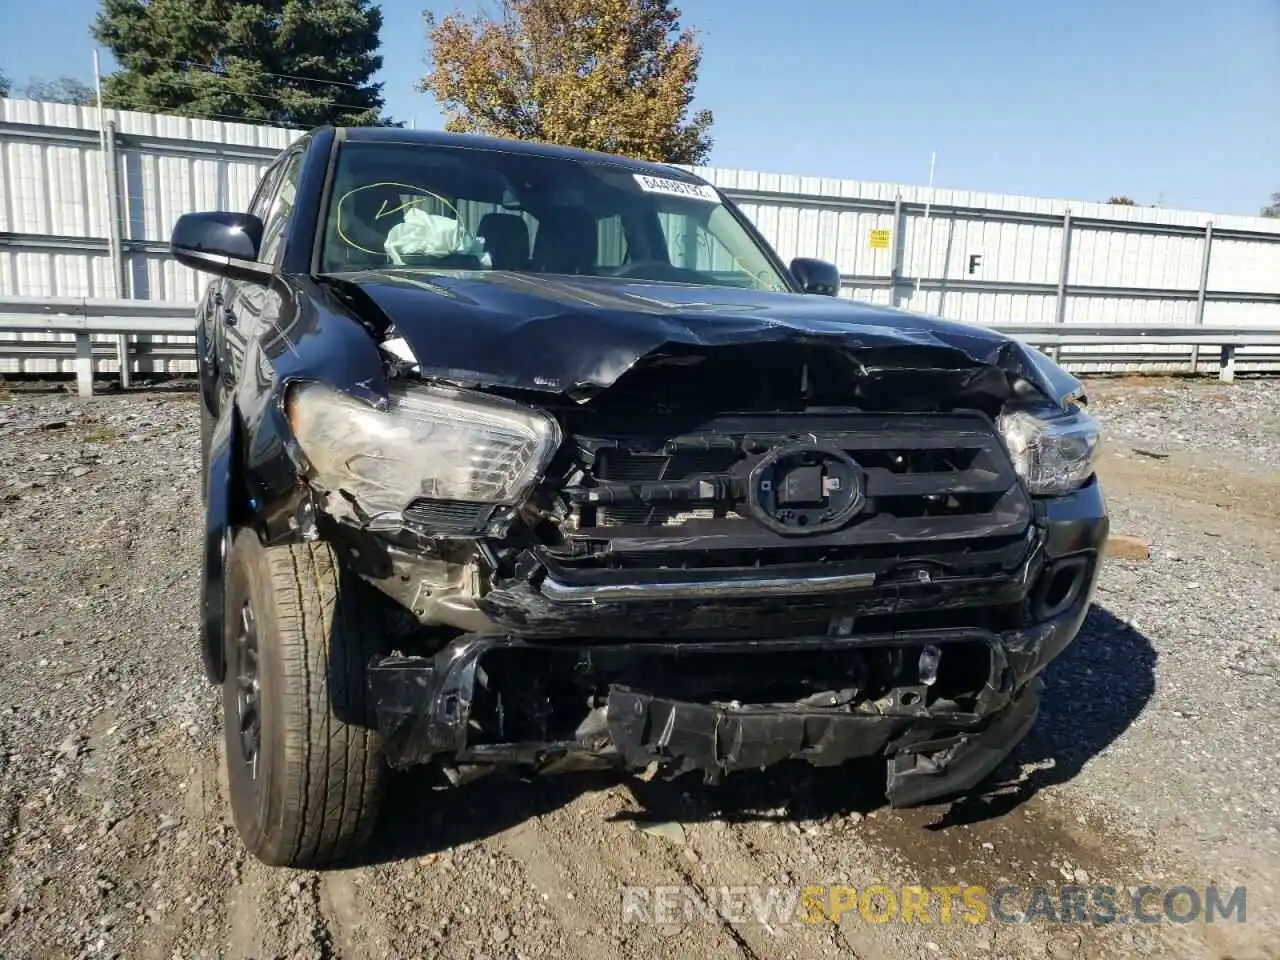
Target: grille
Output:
[(622, 466), (678, 464), (642, 513), (926, 477), (448, 516)]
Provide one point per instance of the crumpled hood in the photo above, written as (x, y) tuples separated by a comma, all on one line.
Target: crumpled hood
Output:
[(568, 334)]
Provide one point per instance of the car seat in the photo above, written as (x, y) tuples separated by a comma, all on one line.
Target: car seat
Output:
[(567, 241), (506, 240)]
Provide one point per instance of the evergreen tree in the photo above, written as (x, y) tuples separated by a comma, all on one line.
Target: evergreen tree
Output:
[(298, 62), (63, 89)]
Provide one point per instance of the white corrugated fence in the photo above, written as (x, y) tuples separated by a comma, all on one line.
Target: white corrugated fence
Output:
[(983, 258)]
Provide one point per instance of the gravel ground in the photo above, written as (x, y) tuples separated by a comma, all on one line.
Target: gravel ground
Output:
[(1154, 760), (1238, 420)]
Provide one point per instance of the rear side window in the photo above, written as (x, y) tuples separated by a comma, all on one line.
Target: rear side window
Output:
[(282, 202), (261, 202)]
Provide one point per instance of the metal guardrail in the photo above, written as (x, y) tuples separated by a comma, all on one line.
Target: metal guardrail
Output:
[(1227, 339), (68, 314), (84, 318)]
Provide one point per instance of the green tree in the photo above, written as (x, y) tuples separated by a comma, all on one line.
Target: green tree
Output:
[(1122, 202), (611, 75), (1273, 208), (4, 84), (62, 89), (299, 62)]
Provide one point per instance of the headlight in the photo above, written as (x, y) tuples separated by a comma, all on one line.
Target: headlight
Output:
[(431, 442), (1053, 455)]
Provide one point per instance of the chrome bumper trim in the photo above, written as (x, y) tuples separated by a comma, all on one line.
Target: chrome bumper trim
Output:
[(706, 589)]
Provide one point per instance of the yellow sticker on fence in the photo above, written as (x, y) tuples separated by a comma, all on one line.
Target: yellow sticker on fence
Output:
[(879, 239)]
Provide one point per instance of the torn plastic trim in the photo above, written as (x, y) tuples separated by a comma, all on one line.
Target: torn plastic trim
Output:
[(686, 737), (435, 581), (423, 704), (401, 355), (933, 771)]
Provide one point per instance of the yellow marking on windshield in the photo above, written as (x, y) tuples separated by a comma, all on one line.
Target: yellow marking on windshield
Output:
[(384, 212)]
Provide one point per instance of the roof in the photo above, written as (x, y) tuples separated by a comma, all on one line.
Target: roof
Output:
[(439, 138)]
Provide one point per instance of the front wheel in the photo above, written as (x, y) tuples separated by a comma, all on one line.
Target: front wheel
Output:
[(304, 764)]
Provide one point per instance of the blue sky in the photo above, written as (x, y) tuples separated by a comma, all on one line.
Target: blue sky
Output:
[(1170, 101)]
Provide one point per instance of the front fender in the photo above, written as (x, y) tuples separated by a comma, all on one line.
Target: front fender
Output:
[(251, 477), (220, 484), (207, 367)]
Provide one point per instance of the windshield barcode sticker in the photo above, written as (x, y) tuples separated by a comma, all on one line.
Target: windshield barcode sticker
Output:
[(677, 188)]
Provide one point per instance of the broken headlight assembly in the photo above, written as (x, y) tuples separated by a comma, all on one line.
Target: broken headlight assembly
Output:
[(430, 441), (1053, 454)]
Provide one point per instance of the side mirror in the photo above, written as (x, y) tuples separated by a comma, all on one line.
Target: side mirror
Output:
[(222, 243), (816, 276)]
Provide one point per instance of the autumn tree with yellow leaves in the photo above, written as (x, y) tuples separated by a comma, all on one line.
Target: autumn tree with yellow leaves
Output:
[(610, 75)]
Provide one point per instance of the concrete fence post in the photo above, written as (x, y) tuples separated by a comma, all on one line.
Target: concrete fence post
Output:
[(898, 241), (115, 243), (84, 364), (1201, 293), (1064, 267)]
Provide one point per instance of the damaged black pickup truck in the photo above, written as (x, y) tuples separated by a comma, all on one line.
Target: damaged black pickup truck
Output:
[(524, 455)]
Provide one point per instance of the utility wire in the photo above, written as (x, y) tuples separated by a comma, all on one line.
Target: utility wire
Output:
[(266, 73), (275, 98), (241, 118), (220, 74)]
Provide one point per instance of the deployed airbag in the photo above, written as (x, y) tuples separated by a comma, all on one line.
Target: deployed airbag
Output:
[(423, 234)]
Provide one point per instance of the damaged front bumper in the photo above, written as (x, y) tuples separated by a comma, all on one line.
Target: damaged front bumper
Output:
[(486, 700), (719, 592)]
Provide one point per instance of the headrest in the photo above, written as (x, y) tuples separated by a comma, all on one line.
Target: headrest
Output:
[(506, 238), (567, 241)]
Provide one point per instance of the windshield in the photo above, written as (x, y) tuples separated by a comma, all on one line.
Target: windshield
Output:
[(450, 208)]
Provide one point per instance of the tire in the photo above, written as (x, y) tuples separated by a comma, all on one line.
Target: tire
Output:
[(308, 796)]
